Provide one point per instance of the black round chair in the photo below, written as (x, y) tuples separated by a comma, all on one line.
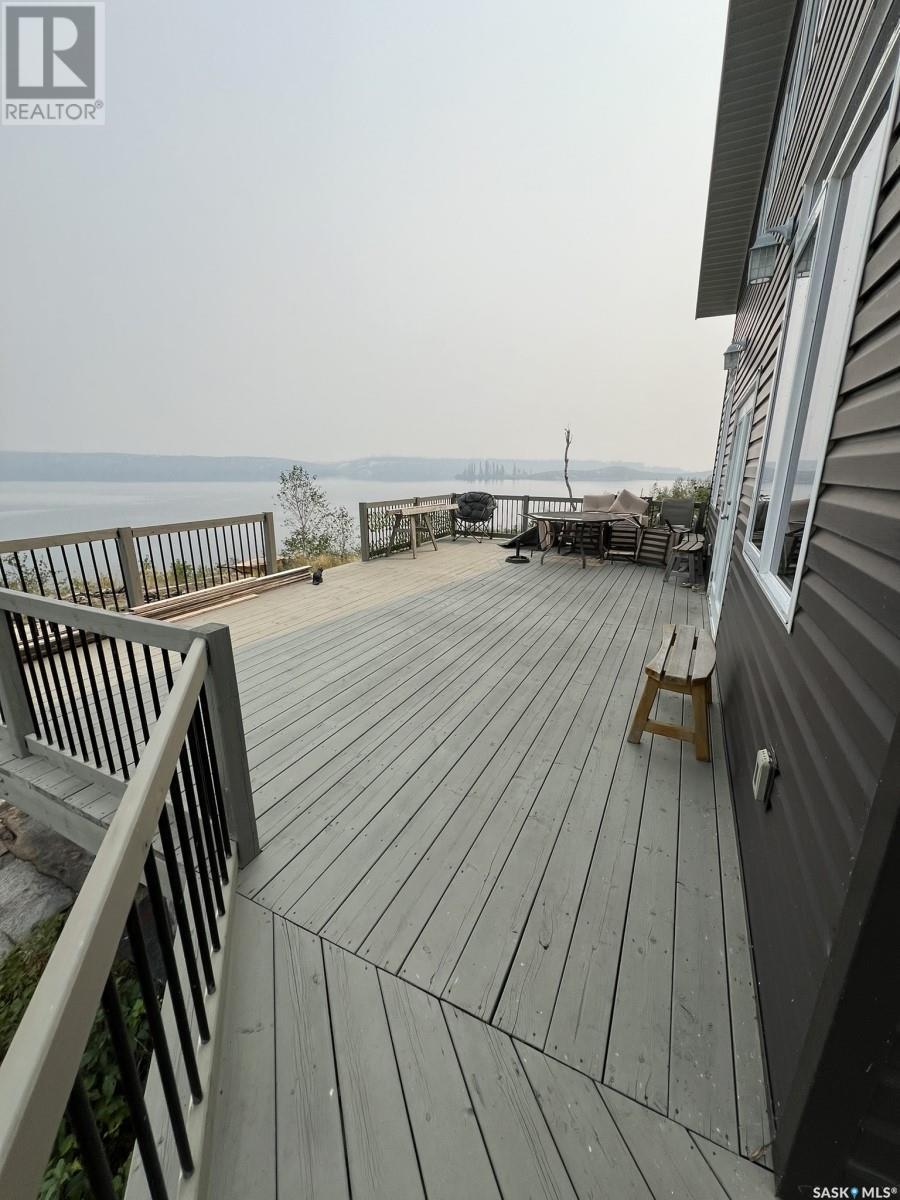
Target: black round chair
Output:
[(475, 513)]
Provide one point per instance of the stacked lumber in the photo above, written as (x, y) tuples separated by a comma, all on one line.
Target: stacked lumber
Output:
[(241, 589)]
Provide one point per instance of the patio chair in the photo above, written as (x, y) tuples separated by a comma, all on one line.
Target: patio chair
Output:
[(475, 514), (678, 515)]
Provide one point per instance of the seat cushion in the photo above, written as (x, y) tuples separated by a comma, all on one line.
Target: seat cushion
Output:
[(599, 503), (628, 502)]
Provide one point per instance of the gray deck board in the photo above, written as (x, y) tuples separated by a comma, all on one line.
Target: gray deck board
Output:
[(244, 1163), (482, 925), (309, 1139), (350, 1066), (525, 1157), (596, 1155), (380, 1151), (452, 1154), (464, 756), (638, 1054)]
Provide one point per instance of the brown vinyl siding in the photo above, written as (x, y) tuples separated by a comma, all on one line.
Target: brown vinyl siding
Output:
[(826, 695)]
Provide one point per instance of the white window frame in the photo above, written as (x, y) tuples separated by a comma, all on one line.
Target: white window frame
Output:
[(802, 51), (727, 406), (821, 209)]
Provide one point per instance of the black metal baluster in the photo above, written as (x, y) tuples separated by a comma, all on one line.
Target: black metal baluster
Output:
[(160, 1041), (97, 575), (195, 532), (40, 654), (214, 767), (222, 551), (153, 567), (219, 557), (242, 538), (90, 1146), (230, 529), (64, 668), (193, 562), (84, 578), (173, 978), (201, 907), (134, 1094), (82, 692), (184, 925), (95, 693), (100, 643), (211, 904), (109, 572), (51, 565), (212, 565), (126, 706), (187, 586), (214, 841), (141, 560), (172, 563), (72, 597), (174, 874)]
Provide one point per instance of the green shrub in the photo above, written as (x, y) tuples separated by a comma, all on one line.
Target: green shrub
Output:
[(20, 971), (684, 488)]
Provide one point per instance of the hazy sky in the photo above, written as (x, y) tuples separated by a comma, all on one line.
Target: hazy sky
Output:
[(336, 229)]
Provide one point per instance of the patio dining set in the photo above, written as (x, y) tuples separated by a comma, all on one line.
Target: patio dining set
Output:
[(616, 526)]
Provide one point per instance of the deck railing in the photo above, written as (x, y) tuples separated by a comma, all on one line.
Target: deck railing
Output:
[(151, 712), (125, 567), (510, 517)]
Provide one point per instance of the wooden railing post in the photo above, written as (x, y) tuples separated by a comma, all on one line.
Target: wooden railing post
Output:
[(364, 531), (271, 547), (13, 697), (131, 574), (525, 504), (228, 739)]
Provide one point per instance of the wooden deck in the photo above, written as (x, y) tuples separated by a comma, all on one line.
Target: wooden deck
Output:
[(445, 793), (488, 947)]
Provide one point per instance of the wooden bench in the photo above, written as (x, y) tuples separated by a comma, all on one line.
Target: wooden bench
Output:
[(688, 554), (684, 663), (412, 512)]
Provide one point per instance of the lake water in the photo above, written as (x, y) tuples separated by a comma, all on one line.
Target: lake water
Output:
[(35, 509)]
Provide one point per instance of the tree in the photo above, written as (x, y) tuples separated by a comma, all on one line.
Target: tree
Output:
[(315, 529), (568, 433), (306, 511), (342, 533)]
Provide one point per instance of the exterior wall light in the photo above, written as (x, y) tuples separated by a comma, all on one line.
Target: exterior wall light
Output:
[(733, 354), (764, 251)]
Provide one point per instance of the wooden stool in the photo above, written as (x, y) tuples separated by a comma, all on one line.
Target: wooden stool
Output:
[(684, 663), (688, 554)]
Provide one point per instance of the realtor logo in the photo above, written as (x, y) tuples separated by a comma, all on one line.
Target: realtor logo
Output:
[(53, 64)]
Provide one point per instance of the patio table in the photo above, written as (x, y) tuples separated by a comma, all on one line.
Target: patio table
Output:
[(581, 520)]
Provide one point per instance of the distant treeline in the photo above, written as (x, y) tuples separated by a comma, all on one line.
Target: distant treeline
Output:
[(43, 466)]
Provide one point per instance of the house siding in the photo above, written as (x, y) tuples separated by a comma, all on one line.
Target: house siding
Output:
[(824, 696)]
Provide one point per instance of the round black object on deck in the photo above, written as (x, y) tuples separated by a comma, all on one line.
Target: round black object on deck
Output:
[(517, 558)]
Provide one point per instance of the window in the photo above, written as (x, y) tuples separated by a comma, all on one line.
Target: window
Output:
[(802, 55), (828, 261), (727, 402)]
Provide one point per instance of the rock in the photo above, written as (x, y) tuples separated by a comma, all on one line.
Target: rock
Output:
[(26, 839), (28, 897)]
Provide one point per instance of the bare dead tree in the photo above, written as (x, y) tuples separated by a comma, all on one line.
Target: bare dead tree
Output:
[(566, 466)]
